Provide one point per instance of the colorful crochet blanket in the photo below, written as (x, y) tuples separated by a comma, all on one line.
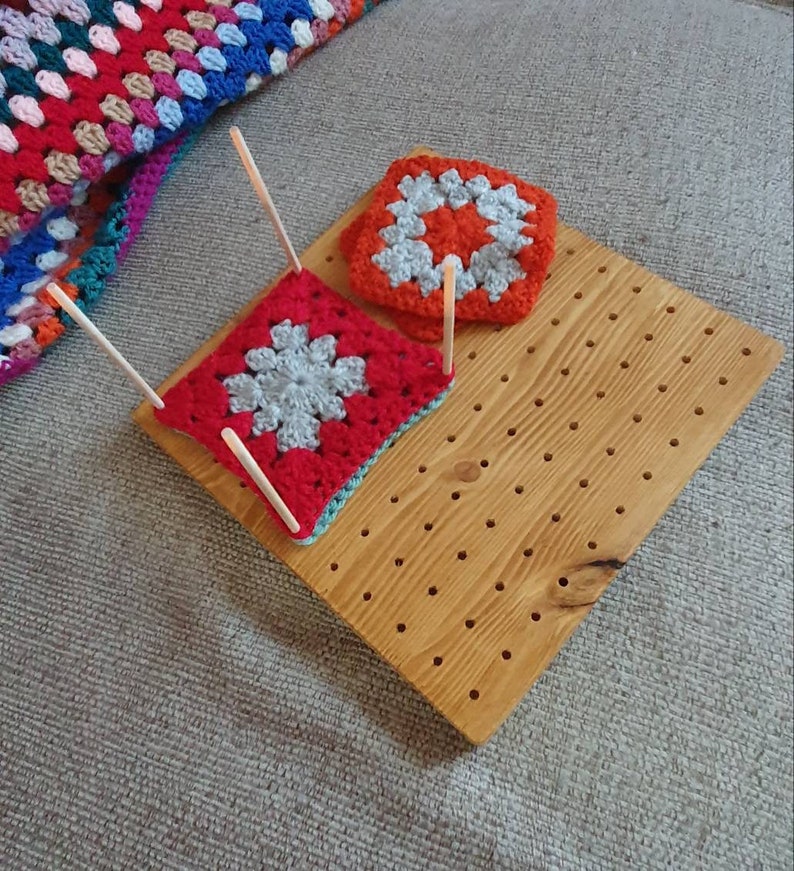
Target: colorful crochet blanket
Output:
[(316, 390), (97, 101)]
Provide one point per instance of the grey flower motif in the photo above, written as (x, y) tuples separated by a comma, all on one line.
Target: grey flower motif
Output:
[(509, 234), (406, 260), (422, 192), (502, 204), (494, 267), (296, 386), (409, 226), (455, 191)]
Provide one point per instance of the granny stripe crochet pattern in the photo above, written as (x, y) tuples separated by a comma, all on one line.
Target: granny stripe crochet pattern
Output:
[(315, 388), (85, 86), (88, 83), (81, 246), (497, 230)]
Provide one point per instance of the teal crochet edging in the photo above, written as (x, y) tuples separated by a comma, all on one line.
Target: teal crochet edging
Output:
[(338, 501), (117, 231)]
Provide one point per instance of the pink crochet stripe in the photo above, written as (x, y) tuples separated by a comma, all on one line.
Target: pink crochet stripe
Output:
[(143, 189)]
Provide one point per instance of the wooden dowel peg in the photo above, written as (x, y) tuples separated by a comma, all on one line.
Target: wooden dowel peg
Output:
[(264, 197), (77, 315), (236, 446), (449, 314)]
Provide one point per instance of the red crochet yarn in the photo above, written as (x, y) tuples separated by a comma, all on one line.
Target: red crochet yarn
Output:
[(402, 379), (458, 230)]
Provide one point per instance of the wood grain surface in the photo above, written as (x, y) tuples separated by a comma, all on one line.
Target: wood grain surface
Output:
[(476, 546)]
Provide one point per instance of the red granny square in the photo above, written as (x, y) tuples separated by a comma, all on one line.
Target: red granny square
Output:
[(315, 389), (498, 229)]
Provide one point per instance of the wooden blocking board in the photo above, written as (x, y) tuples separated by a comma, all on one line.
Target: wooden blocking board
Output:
[(477, 545)]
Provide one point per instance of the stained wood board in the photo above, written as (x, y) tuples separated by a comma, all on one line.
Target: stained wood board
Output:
[(476, 546)]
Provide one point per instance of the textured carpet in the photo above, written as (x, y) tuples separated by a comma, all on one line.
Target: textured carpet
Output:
[(171, 697)]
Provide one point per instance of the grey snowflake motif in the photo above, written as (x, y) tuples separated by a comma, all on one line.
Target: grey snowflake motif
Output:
[(494, 267), (297, 385)]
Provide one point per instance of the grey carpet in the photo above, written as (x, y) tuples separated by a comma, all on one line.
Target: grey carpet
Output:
[(171, 697)]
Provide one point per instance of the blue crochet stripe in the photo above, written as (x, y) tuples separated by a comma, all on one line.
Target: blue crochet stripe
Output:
[(338, 501)]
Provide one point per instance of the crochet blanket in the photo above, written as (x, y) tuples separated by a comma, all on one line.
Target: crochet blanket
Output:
[(97, 101)]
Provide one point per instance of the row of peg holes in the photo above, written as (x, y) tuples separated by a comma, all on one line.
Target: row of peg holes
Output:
[(583, 483)]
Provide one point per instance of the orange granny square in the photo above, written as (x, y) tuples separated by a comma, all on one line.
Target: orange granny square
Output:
[(498, 230)]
